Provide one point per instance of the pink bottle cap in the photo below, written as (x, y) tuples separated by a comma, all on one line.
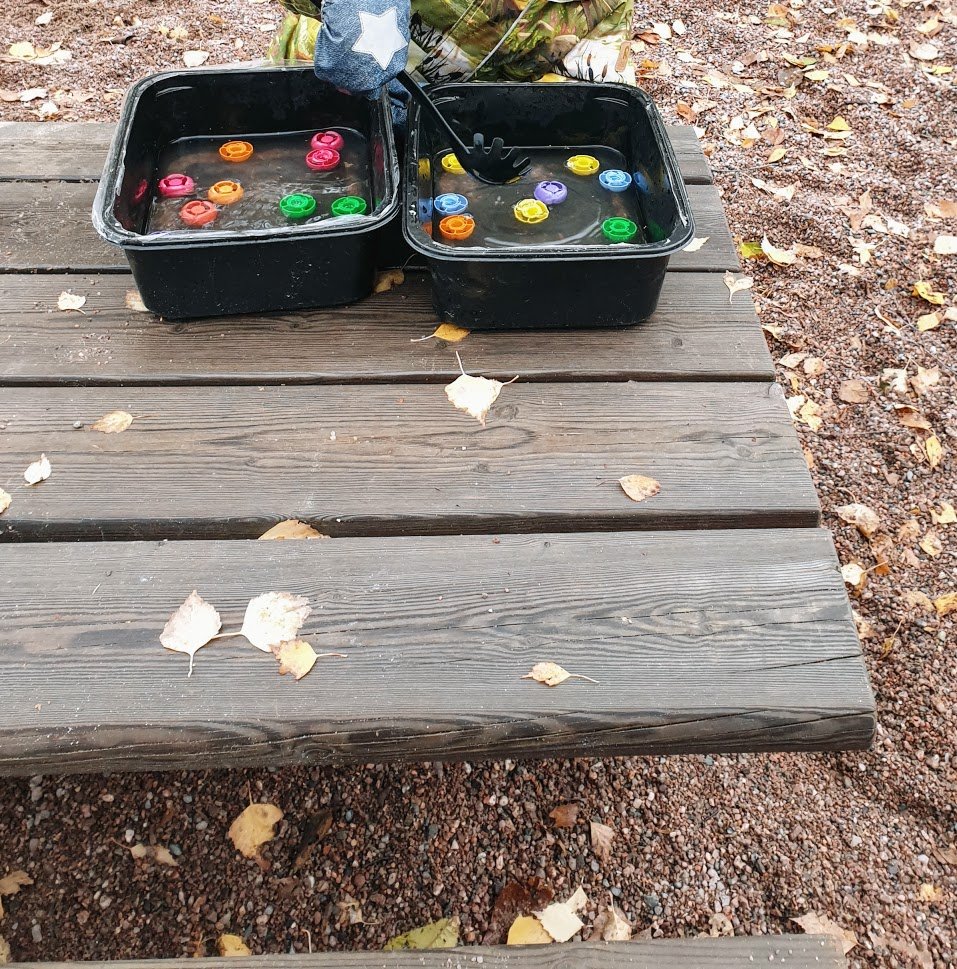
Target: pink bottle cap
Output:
[(323, 159), (175, 186), (328, 139)]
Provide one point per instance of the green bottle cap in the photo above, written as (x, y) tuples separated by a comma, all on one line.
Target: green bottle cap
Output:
[(619, 230), (349, 205), (299, 206)]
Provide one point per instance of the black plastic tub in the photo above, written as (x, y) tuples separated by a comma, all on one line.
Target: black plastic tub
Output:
[(181, 271), (531, 280)]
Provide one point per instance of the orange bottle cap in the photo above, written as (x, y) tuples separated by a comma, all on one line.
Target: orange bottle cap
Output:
[(198, 213), (457, 226), (236, 151), (225, 192)]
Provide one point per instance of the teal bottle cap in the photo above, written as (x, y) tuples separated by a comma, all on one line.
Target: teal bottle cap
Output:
[(298, 206), (619, 230), (349, 205)]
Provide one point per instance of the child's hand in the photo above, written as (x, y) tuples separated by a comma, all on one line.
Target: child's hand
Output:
[(362, 44)]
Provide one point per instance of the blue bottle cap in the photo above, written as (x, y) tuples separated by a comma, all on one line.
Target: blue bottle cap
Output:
[(641, 182), (551, 193), (615, 180), (425, 210), (451, 203)]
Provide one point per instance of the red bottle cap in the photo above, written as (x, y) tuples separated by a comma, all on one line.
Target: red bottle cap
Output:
[(141, 189), (198, 213), (328, 139), (323, 159), (175, 186)]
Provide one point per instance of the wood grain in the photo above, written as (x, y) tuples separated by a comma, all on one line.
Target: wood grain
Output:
[(52, 232), (75, 151), (399, 459), (699, 641), (697, 333), (791, 951)]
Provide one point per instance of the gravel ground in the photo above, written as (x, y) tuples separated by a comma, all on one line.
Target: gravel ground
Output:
[(866, 839)]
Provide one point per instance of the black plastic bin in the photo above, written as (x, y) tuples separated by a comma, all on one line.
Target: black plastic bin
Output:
[(209, 271), (559, 285)]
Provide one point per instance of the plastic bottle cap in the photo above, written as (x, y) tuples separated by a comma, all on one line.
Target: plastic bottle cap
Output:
[(551, 193), (175, 186), (225, 192), (583, 164), (425, 168), (328, 139), (425, 210), (323, 159), (452, 165), (142, 188), (641, 181), (198, 213), (236, 151), (349, 205), (450, 203), (614, 179), (298, 206), (619, 230), (457, 226), (530, 211)]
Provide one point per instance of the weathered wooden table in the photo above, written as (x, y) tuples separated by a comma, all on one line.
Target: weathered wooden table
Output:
[(713, 616)]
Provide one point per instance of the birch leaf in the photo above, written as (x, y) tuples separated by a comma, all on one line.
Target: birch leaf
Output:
[(638, 487), (443, 934), (191, 627), (560, 919), (113, 423), (946, 604), (864, 518), (945, 245), (450, 333), (12, 883), (601, 838), (389, 280), (696, 243), (232, 945), (565, 815), (254, 827), (156, 853), (474, 395), (815, 924), (273, 618), (613, 926), (737, 284), (291, 528), (195, 58), (527, 930), (551, 674), (70, 301), (854, 392), (780, 257), (5, 500), (296, 657), (935, 450), (39, 471)]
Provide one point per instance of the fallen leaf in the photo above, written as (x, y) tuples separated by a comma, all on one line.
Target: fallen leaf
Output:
[(135, 302), (785, 193), (776, 154), (39, 471), (946, 604), (315, 829), (941, 209), (474, 395), (44, 18), (838, 124), (854, 574), (696, 243), (792, 360), (931, 544), (930, 893), (551, 674), (527, 930), (443, 934), (911, 417), (929, 321), (923, 52), (926, 292), (516, 898), (601, 838), (864, 518), (232, 945), (70, 301), (612, 926), (894, 379), (5, 500), (720, 926), (854, 392), (810, 413), (22, 50), (191, 627), (737, 284), (273, 618), (565, 815), (388, 280), (945, 245), (156, 853), (750, 249), (814, 366), (946, 516), (195, 58), (934, 449), (113, 423), (291, 528), (450, 333), (560, 919), (780, 257), (915, 599), (5, 954), (253, 828), (296, 657), (11, 883), (638, 487), (925, 379), (814, 924)]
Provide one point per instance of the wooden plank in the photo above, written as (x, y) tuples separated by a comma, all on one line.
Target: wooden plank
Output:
[(746, 952), (699, 641), (696, 334), (74, 151), (51, 231), (399, 459)]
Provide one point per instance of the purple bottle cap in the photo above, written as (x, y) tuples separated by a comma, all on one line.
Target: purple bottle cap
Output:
[(551, 193)]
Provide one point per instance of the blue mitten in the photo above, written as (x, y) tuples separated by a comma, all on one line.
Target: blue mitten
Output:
[(362, 44)]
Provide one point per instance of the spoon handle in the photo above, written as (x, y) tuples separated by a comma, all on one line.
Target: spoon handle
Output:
[(425, 103)]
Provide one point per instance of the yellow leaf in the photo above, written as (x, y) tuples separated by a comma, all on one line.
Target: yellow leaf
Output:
[(527, 930), (291, 528), (935, 450), (5, 500), (191, 627), (22, 50), (298, 657), (926, 292), (929, 321), (232, 945), (810, 413), (780, 257), (930, 893), (945, 245), (5, 953), (819, 75), (946, 604), (946, 516), (638, 487), (931, 544), (11, 883), (39, 471), (750, 250), (443, 934), (736, 284), (474, 395), (551, 674), (864, 518), (113, 423), (273, 618), (450, 333), (135, 302), (389, 280), (776, 154), (254, 827), (560, 919), (70, 301), (838, 124)]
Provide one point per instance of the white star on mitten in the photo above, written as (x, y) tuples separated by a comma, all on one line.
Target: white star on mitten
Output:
[(380, 37)]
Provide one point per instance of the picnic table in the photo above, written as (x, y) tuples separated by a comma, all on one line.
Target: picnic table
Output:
[(713, 617)]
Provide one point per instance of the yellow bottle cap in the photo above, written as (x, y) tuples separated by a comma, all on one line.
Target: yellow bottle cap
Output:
[(452, 165), (531, 211), (225, 192), (583, 164)]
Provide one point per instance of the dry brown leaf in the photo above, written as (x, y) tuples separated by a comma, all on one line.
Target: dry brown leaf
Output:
[(720, 926), (815, 924), (291, 528), (551, 674), (273, 618), (911, 417), (450, 333), (942, 209), (113, 423), (866, 519), (232, 945), (696, 243), (527, 930), (946, 516), (156, 853), (560, 919), (638, 487), (5, 954), (780, 257), (601, 838), (814, 366), (12, 882), (191, 627), (70, 301), (195, 58), (737, 284), (5, 500), (253, 828), (135, 302), (931, 544), (854, 392), (389, 280), (474, 395), (946, 604), (614, 926), (39, 471), (915, 599), (564, 816)]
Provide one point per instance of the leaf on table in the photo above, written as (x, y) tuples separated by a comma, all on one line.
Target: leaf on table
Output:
[(443, 934), (565, 815), (298, 657), (39, 471), (195, 58), (816, 924), (450, 333), (946, 516), (945, 245), (388, 279), (926, 292), (70, 301), (253, 828), (865, 518), (925, 379), (560, 919), (551, 674), (931, 544), (291, 528), (273, 618), (474, 395), (934, 449), (157, 853), (113, 423), (780, 257), (5, 500), (601, 838), (854, 575), (232, 945), (737, 284), (135, 302), (854, 392), (696, 243), (527, 930), (638, 487), (191, 627), (946, 604), (516, 898)]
